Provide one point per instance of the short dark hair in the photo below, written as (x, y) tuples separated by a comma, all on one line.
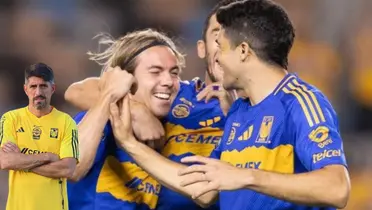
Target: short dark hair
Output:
[(221, 3), (264, 25), (40, 70)]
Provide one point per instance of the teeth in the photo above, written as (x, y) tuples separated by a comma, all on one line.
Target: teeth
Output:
[(164, 96)]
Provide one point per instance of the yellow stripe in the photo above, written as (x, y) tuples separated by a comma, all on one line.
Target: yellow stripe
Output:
[(315, 100), (302, 103), (285, 82), (308, 101)]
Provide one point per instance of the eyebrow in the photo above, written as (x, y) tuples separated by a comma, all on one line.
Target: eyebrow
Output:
[(162, 68), (216, 29)]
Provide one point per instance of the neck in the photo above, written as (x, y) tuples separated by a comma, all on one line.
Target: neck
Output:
[(261, 83), (208, 79), (41, 112)]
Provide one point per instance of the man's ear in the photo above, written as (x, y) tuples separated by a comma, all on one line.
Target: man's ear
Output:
[(201, 49), (245, 51)]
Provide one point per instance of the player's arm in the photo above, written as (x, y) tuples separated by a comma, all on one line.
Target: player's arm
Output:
[(16, 160), (113, 85), (162, 169), (69, 154), (319, 148), (83, 94)]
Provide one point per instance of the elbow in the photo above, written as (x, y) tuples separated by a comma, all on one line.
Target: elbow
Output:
[(342, 196), (69, 95)]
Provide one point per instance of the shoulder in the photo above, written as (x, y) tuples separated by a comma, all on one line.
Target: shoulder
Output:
[(14, 114), (194, 85), (305, 106)]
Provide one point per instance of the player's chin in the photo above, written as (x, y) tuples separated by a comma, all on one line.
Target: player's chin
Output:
[(160, 112)]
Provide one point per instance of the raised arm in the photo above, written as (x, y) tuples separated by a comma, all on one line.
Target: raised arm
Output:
[(83, 94), (162, 169), (113, 86)]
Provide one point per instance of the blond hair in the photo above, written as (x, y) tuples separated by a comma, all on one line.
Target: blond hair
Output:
[(124, 50)]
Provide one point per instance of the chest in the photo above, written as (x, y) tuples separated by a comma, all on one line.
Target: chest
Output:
[(39, 135), (258, 139)]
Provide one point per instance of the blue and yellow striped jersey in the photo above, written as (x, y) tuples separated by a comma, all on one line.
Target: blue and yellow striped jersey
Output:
[(123, 185), (293, 130), (82, 194), (192, 128)]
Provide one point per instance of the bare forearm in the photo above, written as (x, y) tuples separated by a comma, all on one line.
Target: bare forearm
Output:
[(317, 188), (19, 161), (165, 171), (83, 94), (90, 133), (55, 170)]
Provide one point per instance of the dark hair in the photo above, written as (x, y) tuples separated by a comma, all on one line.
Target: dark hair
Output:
[(212, 12), (40, 70), (264, 25)]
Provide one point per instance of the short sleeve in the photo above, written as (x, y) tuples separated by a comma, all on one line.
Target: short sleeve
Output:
[(7, 129), (70, 143), (318, 142)]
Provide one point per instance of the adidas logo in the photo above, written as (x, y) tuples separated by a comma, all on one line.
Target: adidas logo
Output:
[(20, 130), (247, 134)]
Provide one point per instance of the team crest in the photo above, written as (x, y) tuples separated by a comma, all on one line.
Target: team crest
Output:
[(36, 133), (53, 133), (265, 130), (181, 111), (231, 136)]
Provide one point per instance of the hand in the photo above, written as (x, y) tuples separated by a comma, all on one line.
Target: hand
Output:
[(216, 90), (219, 175), (120, 119), (10, 147), (116, 83), (52, 157), (146, 127)]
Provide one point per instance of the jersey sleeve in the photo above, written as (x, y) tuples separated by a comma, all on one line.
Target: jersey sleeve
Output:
[(7, 129), (318, 142), (70, 143)]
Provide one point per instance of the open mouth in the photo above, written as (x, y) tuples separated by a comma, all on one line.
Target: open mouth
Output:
[(162, 96)]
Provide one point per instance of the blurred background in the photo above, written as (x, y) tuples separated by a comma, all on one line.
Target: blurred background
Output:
[(333, 51)]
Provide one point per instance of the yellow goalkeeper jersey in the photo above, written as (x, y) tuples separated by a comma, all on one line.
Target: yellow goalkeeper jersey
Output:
[(55, 132)]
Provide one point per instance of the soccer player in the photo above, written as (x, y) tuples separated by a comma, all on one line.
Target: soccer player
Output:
[(281, 148), (39, 147), (193, 127), (155, 63)]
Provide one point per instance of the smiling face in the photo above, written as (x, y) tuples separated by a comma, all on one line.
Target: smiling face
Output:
[(157, 74), (230, 59), (39, 92), (207, 50)]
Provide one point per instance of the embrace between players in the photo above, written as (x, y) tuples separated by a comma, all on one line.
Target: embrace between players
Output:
[(275, 147)]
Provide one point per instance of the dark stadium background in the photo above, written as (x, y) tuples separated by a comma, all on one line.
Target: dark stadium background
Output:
[(333, 51)]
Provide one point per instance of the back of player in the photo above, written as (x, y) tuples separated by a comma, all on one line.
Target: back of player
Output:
[(293, 130), (82, 194), (192, 128), (56, 133)]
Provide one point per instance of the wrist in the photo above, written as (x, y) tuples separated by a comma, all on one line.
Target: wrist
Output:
[(129, 144), (249, 178)]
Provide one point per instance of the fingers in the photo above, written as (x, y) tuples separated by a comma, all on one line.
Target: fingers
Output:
[(194, 169), (193, 178), (197, 159), (114, 114), (212, 90), (125, 113), (10, 147)]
